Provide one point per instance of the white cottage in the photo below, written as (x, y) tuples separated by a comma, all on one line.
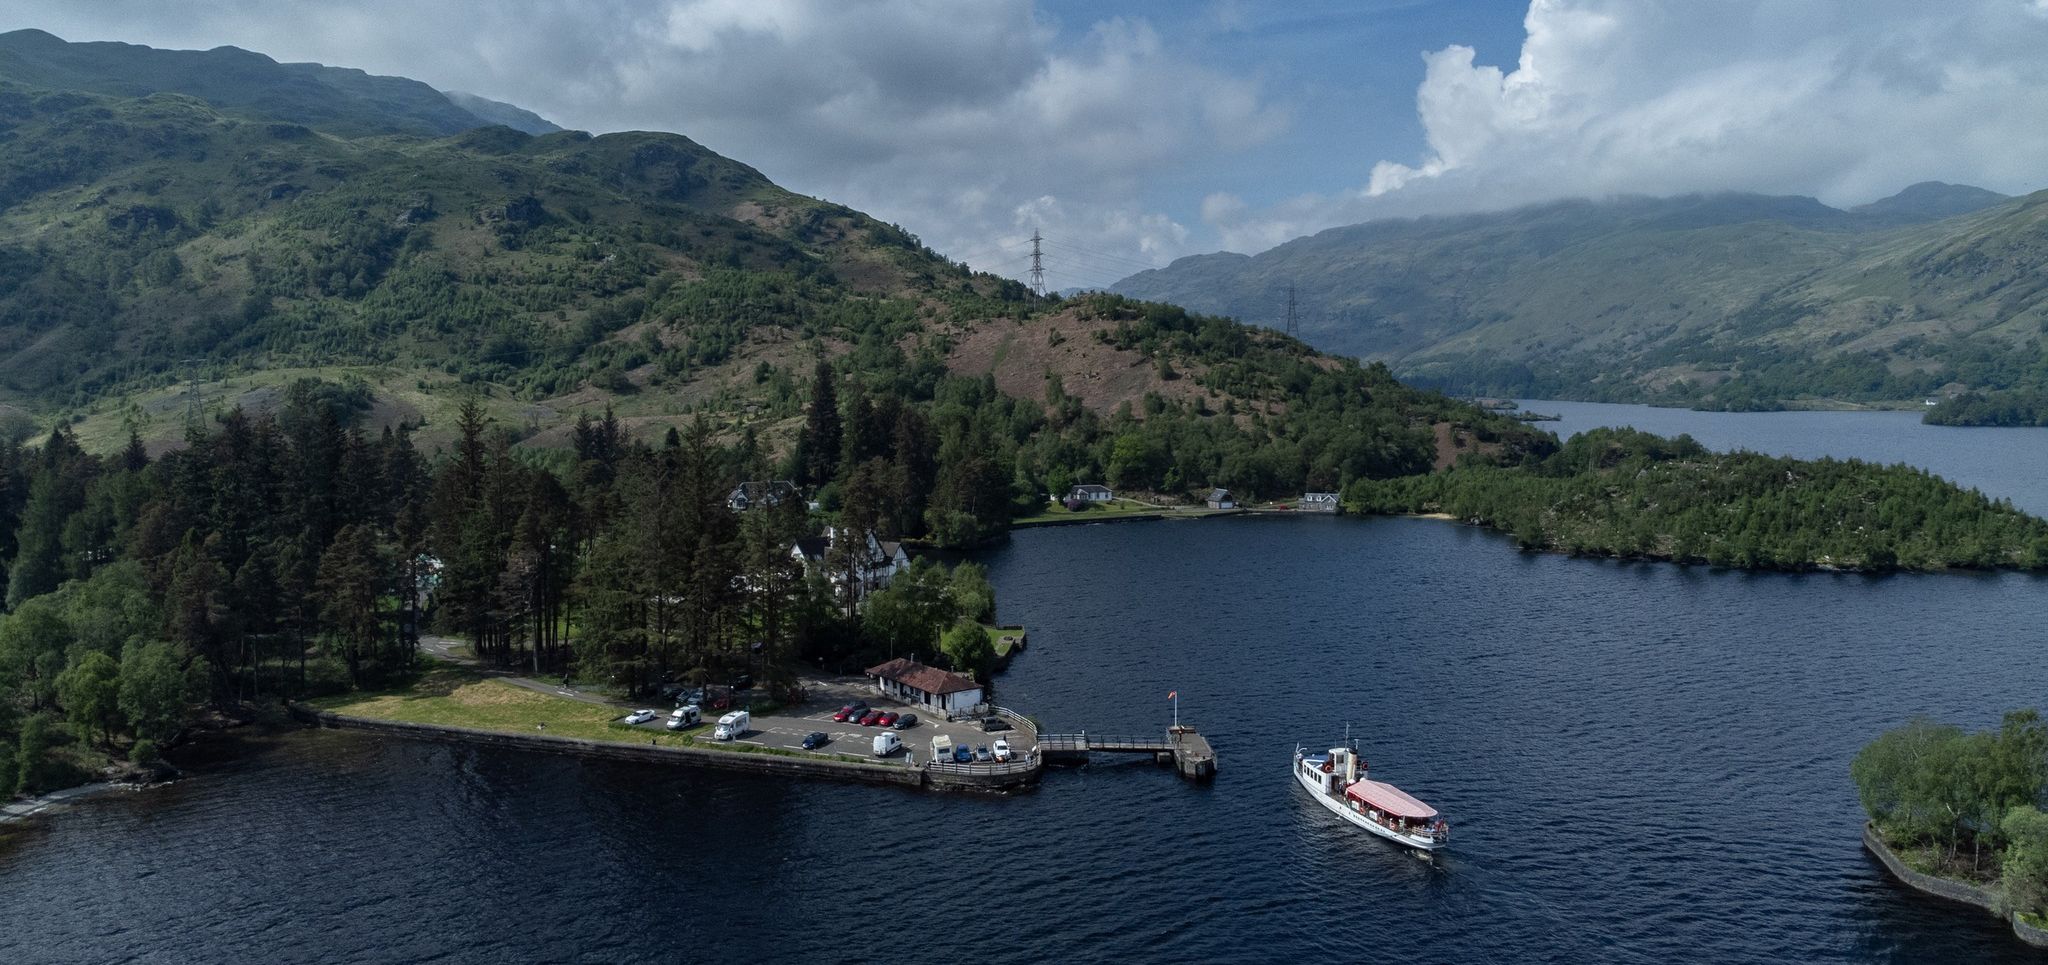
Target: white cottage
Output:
[(936, 690), (1319, 502), (874, 566), (1091, 493)]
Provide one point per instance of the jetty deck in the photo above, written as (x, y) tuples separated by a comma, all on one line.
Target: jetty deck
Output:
[(1187, 750)]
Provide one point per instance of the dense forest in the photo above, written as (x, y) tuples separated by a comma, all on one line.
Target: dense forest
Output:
[(1620, 492), (1965, 805), (293, 552)]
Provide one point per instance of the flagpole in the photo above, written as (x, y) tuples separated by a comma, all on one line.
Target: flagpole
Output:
[(1176, 708)]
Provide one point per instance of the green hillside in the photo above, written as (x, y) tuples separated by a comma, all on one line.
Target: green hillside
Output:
[(1733, 301), (161, 259)]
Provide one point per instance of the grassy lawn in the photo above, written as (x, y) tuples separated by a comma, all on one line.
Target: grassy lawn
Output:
[(1111, 510), (459, 697), (455, 696), (996, 639)]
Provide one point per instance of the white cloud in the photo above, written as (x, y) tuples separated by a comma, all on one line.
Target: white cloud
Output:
[(948, 118), (1846, 102)]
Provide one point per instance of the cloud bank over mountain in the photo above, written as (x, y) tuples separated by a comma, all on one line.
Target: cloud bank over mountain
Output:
[(1141, 138), (1846, 102)]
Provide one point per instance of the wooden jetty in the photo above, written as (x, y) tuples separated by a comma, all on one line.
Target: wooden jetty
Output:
[(1188, 751)]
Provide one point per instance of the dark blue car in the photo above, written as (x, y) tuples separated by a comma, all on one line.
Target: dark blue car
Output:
[(962, 753), (815, 739)]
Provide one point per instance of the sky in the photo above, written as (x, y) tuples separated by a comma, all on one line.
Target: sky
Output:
[(1132, 133)]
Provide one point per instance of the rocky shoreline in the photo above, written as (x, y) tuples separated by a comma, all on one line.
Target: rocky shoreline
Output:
[(1986, 898)]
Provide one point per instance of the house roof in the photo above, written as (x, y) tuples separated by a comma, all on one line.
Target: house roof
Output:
[(1091, 488), (771, 491), (1219, 494), (812, 547), (890, 547), (915, 675)]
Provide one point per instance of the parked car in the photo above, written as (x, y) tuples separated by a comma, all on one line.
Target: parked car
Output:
[(962, 753), (816, 739), (742, 681), (888, 719), (905, 722), (887, 743), (991, 725), (868, 719), (684, 716), (1002, 749), (639, 717), (851, 711), (981, 754)]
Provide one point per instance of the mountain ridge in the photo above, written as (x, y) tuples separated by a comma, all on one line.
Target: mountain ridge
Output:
[(1713, 300), (342, 100)]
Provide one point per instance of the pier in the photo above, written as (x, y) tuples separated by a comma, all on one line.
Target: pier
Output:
[(1184, 748)]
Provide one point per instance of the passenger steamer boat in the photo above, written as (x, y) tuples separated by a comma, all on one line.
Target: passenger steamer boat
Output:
[(1338, 780)]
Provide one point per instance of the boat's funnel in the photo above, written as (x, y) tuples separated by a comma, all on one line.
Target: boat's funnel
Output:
[(1350, 769)]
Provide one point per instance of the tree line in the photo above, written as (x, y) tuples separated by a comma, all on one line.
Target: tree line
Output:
[(1621, 492)]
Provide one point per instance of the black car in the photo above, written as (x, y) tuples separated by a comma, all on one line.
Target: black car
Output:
[(906, 722), (816, 739), (990, 725), (742, 681)]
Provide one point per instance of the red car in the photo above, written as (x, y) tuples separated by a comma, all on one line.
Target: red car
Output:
[(868, 719), (888, 719), (849, 712)]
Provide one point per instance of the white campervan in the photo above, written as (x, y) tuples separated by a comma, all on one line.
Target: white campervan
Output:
[(887, 743), (732, 725)]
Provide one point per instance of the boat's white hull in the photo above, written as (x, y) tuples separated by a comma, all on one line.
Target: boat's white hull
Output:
[(1344, 809)]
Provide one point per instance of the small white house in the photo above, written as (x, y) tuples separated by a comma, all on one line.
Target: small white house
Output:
[(1221, 499), (1091, 493), (936, 690), (1319, 502)]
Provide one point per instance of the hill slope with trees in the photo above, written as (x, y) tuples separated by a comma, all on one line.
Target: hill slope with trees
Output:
[(1719, 301)]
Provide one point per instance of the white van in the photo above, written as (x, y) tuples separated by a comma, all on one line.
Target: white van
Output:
[(887, 743), (732, 725), (684, 716)]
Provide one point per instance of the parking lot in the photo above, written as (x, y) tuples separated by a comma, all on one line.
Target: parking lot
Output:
[(787, 727)]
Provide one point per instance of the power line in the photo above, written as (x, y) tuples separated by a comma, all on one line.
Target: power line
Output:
[(1292, 325), (1137, 263)]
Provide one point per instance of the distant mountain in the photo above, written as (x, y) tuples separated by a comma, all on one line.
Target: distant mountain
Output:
[(1930, 201), (1730, 300), (499, 112), (338, 100)]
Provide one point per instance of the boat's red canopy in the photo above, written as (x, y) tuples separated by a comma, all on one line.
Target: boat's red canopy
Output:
[(1390, 799)]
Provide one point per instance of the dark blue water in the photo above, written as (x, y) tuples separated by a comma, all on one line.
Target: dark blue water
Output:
[(1643, 763), (2010, 463)]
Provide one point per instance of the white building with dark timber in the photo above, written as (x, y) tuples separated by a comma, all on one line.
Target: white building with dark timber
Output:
[(939, 691)]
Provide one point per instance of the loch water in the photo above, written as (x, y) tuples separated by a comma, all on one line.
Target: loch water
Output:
[(1641, 762)]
